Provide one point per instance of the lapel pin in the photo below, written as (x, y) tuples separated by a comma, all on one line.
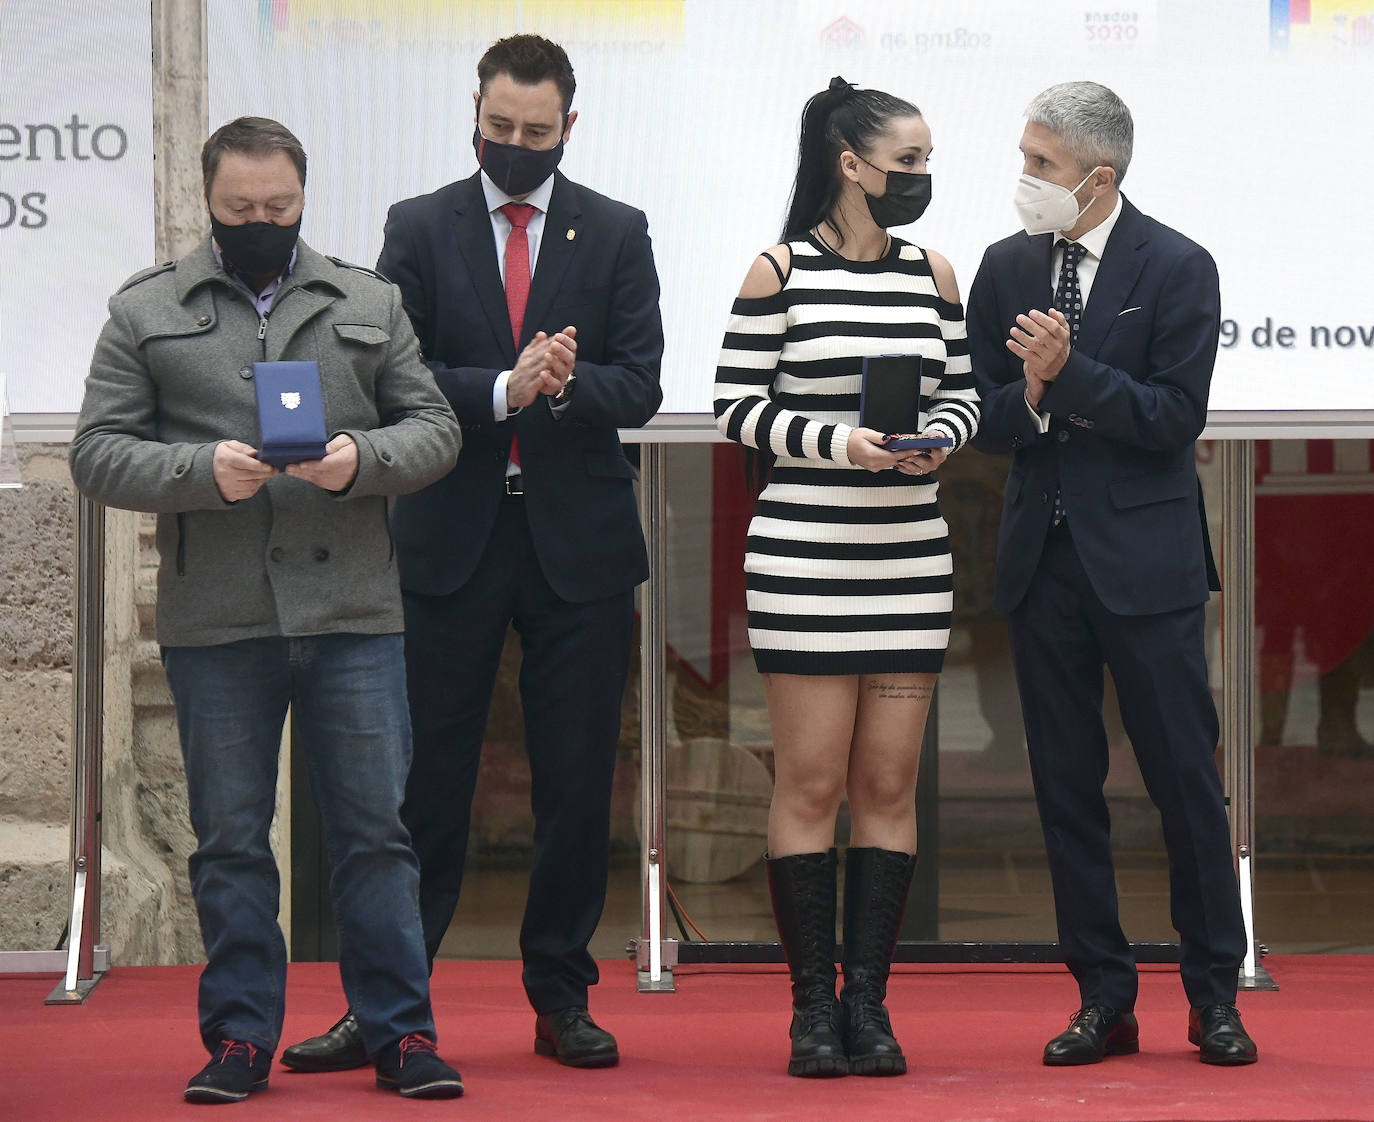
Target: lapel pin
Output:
[(572, 234)]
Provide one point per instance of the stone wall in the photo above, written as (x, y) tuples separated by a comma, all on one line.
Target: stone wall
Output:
[(146, 914), (36, 563)]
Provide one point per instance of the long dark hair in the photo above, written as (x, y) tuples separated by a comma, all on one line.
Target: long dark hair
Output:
[(837, 119)]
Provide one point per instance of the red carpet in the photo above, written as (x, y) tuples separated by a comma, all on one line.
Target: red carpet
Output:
[(715, 1049)]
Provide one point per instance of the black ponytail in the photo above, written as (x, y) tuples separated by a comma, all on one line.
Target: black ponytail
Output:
[(837, 119)]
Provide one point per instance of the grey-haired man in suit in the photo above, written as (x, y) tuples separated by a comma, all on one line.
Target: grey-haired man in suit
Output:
[(1093, 336)]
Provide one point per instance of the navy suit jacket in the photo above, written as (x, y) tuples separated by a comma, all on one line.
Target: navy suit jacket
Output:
[(1125, 412), (595, 271)]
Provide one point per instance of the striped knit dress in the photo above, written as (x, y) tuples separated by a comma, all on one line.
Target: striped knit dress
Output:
[(848, 571)]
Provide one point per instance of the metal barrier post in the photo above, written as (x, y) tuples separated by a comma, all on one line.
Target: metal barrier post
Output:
[(654, 955), (88, 694), (1238, 680)]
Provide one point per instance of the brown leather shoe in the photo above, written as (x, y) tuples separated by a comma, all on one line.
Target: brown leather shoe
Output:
[(1096, 1031), (339, 1049), (1219, 1035), (575, 1039)]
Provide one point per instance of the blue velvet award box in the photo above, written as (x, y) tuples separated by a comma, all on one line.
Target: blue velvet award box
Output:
[(290, 412)]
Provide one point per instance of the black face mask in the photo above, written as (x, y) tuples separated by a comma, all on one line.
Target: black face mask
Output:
[(906, 198), (256, 249), (516, 170)]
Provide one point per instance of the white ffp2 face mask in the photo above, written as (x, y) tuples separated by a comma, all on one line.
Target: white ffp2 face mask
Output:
[(1047, 208)]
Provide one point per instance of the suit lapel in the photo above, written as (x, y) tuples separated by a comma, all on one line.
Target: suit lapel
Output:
[(477, 244), (1032, 273), (557, 247), (1122, 260)]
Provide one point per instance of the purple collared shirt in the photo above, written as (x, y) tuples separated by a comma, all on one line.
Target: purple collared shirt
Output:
[(262, 301)]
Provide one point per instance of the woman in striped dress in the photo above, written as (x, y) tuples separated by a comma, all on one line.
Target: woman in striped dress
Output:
[(848, 562)]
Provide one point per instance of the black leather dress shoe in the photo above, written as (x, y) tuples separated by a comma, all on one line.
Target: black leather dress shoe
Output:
[(572, 1036), (1219, 1035), (1095, 1031), (339, 1049)]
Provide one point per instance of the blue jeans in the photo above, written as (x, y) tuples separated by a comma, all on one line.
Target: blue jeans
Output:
[(348, 693)]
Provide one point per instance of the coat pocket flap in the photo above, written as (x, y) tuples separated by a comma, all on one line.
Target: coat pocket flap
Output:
[(175, 330), (1146, 489), (364, 333)]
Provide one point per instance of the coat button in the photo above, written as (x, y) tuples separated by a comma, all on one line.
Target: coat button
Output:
[(277, 553), (1044, 497), (1016, 442), (321, 554), (203, 321), (1062, 436), (179, 471), (245, 372)]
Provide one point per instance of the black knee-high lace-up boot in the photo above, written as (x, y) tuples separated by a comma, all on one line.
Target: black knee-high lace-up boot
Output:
[(876, 883), (803, 891)]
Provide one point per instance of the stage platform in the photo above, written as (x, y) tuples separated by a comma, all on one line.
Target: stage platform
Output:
[(717, 1049)]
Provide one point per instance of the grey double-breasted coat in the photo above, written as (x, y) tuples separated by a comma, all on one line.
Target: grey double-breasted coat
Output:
[(172, 377)]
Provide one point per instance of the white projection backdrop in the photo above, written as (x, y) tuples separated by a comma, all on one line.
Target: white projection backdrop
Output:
[(1252, 127), (76, 185)]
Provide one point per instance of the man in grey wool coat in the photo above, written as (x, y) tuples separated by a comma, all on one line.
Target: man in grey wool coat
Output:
[(278, 587)]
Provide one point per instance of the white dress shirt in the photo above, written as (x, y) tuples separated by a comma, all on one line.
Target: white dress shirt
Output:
[(1095, 243)]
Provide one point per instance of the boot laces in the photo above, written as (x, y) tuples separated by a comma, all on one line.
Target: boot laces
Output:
[(415, 1044), (866, 1007), (229, 1048), (817, 1014)]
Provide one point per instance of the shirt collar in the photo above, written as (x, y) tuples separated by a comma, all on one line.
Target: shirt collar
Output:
[(538, 198), (1095, 240)]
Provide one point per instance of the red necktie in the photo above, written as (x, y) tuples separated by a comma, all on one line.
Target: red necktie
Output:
[(517, 280)]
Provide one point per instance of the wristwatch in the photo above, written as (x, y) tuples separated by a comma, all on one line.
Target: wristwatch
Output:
[(565, 394)]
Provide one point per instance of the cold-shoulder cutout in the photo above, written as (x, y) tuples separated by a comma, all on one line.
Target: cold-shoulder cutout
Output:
[(767, 274), (943, 272)]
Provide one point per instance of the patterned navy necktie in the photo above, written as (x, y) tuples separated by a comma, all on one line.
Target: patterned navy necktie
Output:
[(1068, 298)]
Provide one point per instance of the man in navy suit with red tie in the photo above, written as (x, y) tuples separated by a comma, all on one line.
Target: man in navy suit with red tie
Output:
[(1093, 337), (536, 304)]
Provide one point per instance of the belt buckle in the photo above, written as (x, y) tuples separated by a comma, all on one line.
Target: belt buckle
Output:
[(515, 485)]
